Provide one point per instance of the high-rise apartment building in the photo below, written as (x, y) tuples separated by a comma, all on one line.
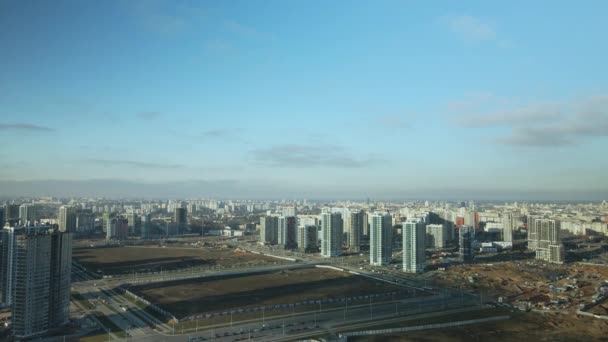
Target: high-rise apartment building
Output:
[(27, 214), (66, 219), (269, 226), (180, 219), (413, 234), (466, 235), (35, 278), (132, 222), (358, 221), (146, 225), (281, 230), (544, 239), (508, 223), (381, 239), (307, 238), (332, 226), (11, 214), (436, 235)]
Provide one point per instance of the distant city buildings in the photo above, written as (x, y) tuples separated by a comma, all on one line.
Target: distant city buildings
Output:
[(331, 234), (544, 239), (381, 239), (465, 241), (35, 278), (413, 235)]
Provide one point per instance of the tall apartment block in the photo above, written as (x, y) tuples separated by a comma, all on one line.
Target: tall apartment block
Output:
[(358, 223), (67, 219), (307, 238), (381, 239), (413, 234), (465, 240), (436, 235), (332, 226), (544, 239), (180, 219), (35, 278), (269, 226)]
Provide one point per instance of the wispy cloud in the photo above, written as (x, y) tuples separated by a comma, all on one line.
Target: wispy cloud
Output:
[(326, 155), (148, 115), (545, 124), (25, 127), (469, 28), (131, 163)]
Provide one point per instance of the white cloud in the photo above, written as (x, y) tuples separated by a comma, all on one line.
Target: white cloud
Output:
[(538, 124)]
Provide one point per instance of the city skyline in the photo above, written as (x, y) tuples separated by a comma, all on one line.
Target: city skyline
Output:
[(311, 100)]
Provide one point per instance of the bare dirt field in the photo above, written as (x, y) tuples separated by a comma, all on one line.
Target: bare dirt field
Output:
[(188, 297), (124, 260), (529, 326)]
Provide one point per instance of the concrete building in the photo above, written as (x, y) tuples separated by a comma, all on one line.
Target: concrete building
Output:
[(35, 278), (413, 235), (85, 221), (269, 226), (544, 239), (381, 239), (27, 214), (117, 228), (332, 226), (131, 222), (281, 230), (509, 222), (436, 235), (307, 238), (11, 214), (291, 231), (466, 236), (67, 219), (358, 224), (146, 225), (180, 219)]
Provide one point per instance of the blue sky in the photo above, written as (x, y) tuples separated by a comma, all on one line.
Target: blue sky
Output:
[(308, 98)]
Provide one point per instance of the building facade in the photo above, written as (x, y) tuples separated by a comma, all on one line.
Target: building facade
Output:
[(331, 234), (381, 239), (35, 279), (465, 240), (413, 235), (544, 240), (436, 235)]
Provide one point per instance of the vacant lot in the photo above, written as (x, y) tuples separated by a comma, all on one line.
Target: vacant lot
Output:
[(528, 326), (124, 260), (188, 297)]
